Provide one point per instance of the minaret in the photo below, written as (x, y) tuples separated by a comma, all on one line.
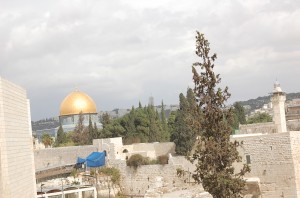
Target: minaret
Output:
[(278, 99)]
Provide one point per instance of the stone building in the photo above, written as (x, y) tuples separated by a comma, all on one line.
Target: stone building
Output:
[(272, 152), (278, 124), (75, 103), (17, 172)]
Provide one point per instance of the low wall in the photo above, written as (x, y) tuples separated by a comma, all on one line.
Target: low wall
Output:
[(265, 128), (55, 157)]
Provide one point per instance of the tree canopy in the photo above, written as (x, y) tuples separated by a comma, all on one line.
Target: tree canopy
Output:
[(215, 153), (259, 118), (183, 132)]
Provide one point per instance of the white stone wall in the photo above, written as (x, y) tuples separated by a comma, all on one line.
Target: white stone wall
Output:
[(17, 177), (295, 147), (272, 161), (55, 157)]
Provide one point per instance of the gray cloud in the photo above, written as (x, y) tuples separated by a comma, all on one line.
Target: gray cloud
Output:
[(120, 52)]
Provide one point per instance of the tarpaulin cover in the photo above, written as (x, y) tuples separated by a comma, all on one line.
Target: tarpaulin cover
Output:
[(95, 159)]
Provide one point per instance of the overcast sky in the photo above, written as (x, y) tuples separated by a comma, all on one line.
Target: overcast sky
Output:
[(120, 52)]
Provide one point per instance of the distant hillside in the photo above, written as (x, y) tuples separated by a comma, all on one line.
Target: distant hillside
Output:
[(47, 123), (260, 101)]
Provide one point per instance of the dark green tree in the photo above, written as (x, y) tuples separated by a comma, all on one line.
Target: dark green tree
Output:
[(165, 129), (183, 134), (240, 112), (171, 121), (90, 131), (238, 116), (61, 137), (215, 153)]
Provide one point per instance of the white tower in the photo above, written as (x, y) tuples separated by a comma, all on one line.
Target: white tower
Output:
[(17, 172), (278, 99)]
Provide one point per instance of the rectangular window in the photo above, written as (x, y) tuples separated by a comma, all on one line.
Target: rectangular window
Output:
[(248, 159)]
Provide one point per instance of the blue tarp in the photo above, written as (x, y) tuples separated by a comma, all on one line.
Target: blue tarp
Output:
[(95, 159)]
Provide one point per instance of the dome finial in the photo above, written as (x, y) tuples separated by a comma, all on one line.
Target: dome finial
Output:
[(277, 88)]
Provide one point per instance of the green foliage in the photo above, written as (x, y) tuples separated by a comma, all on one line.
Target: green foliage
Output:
[(61, 137), (180, 172), (137, 160), (47, 140), (125, 151), (81, 135), (75, 183), (105, 119), (215, 153), (183, 132), (113, 172), (139, 125), (259, 118), (90, 131), (165, 136), (163, 159), (74, 173), (238, 115)]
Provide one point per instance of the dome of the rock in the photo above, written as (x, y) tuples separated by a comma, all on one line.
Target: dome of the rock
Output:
[(77, 102)]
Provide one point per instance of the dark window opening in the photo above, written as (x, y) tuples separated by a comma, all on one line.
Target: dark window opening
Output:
[(248, 159)]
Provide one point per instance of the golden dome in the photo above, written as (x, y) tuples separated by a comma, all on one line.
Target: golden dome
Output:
[(77, 102)]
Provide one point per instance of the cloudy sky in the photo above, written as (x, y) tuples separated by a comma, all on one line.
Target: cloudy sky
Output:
[(120, 52)]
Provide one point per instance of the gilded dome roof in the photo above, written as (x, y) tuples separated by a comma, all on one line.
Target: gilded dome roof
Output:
[(77, 102)]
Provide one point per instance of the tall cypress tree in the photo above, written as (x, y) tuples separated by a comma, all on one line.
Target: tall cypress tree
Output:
[(60, 137), (183, 134), (90, 130), (165, 129), (215, 153)]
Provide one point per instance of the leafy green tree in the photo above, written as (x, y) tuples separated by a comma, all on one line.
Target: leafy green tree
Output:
[(60, 137), (171, 121), (47, 140), (240, 112), (154, 125), (215, 153), (259, 118), (165, 129), (238, 115)]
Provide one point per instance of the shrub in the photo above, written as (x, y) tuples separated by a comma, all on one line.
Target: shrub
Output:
[(125, 151), (180, 172), (114, 173), (137, 160), (163, 159)]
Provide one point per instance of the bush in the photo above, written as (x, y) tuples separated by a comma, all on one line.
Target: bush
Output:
[(137, 160), (163, 159), (114, 173), (125, 151)]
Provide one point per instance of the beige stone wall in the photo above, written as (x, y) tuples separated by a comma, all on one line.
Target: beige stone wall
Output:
[(272, 161), (54, 157), (264, 128), (17, 178), (295, 147)]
